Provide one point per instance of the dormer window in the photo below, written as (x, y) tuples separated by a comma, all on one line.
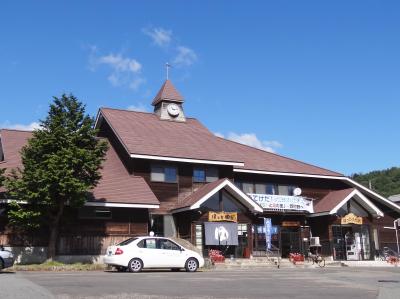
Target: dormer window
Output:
[(163, 173)]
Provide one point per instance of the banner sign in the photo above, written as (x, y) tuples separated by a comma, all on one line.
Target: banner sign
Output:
[(282, 202), (351, 218), (268, 232), (221, 233), (222, 216)]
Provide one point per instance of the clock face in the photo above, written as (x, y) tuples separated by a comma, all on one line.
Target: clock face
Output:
[(173, 110)]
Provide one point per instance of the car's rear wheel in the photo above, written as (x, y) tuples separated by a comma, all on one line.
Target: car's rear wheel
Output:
[(135, 265), (191, 265)]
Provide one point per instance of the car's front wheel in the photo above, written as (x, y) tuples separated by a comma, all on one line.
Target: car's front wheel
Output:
[(191, 265), (135, 265)]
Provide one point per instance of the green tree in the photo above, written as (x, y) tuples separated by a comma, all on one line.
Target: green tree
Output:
[(386, 182), (2, 177), (61, 164)]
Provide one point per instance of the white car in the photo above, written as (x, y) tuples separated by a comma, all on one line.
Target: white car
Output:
[(135, 254), (6, 258)]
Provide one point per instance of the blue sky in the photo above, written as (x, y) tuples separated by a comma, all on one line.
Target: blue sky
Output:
[(317, 81)]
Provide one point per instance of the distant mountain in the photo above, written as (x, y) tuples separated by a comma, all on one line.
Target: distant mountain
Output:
[(385, 182)]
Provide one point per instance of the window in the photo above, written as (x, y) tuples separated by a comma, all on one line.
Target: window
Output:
[(248, 187), (238, 184), (242, 229), (266, 188), (260, 188), (286, 189), (94, 213), (199, 236), (211, 174), (161, 173), (283, 190), (201, 174), (167, 244), (212, 204), (170, 174), (229, 204), (127, 241), (147, 243), (272, 189)]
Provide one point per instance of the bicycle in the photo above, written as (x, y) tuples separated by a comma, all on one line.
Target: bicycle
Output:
[(387, 255), (316, 259)]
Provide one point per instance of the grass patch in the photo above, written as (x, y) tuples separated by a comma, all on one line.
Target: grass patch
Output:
[(58, 266)]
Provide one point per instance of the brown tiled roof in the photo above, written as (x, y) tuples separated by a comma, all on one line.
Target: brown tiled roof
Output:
[(260, 160), (145, 134), (115, 186), (199, 194), (118, 186), (331, 200), (12, 142), (167, 92)]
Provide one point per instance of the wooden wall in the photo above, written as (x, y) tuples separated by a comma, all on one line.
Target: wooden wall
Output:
[(85, 236)]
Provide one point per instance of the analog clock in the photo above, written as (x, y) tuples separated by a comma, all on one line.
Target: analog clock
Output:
[(173, 110)]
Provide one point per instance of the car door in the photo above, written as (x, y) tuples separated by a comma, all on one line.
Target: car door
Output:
[(172, 253), (149, 253)]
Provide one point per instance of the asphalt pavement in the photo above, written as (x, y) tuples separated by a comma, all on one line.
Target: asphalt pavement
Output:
[(326, 283)]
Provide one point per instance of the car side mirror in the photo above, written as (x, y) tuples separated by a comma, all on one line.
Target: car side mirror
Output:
[(1, 248), (182, 249)]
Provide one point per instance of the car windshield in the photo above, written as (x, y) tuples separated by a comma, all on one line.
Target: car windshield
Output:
[(127, 241)]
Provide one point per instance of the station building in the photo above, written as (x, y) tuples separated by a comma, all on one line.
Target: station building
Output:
[(166, 172)]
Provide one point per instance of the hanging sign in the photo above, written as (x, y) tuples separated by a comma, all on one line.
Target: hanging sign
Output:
[(222, 216), (351, 218), (282, 202), (221, 233)]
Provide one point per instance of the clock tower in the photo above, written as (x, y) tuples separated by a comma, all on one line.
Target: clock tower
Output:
[(168, 103)]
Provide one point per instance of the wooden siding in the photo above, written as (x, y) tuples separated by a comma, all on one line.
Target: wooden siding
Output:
[(86, 236)]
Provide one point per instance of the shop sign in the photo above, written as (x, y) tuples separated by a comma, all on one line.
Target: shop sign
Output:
[(290, 223), (351, 218), (282, 202), (222, 216)]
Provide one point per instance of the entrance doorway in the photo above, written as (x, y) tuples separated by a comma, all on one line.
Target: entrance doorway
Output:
[(290, 240), (351, 242)]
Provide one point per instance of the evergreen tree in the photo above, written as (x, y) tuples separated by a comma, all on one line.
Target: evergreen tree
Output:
[(61, 164), (2, 177)]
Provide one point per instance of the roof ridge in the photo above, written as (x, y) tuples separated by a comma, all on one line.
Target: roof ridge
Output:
[(134, 111), (16, 130), (278, 155)]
